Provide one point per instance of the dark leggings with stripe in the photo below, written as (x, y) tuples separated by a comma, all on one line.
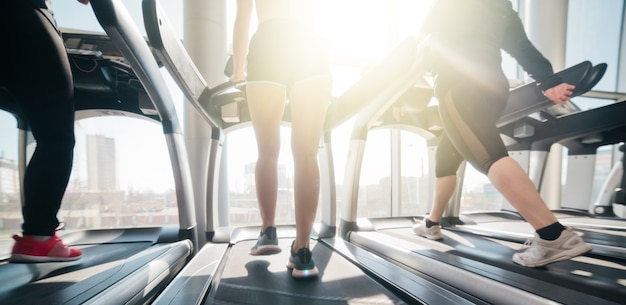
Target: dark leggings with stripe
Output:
[(469, 112), (34, 68)]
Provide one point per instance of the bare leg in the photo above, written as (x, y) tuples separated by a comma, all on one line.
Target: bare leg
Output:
[(309, 100), (515, 185), (266, 105), (444, 188)]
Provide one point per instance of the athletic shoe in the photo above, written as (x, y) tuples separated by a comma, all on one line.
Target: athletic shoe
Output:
[(433, 232), (302, 263), (30, 250), (267, 243), (540, 252)]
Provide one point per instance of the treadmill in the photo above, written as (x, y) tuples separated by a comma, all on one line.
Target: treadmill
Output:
[(222, 272), (582, 132), (119, 266), (470, 259)]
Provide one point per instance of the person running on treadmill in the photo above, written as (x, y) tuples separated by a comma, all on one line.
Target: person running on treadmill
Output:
[(35, 69), (472, 91), (287, 62)]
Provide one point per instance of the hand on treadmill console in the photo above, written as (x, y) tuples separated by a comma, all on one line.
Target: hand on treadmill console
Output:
[(560, 94)]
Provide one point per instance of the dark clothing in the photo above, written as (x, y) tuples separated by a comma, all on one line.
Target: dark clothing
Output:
[(284, 52), (470, 131), (470, 84), (36, 72)]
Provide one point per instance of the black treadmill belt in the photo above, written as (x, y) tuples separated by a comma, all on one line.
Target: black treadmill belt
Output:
[(609, 243), (265, 279), (585, 280), (106, 274), (21, 278)]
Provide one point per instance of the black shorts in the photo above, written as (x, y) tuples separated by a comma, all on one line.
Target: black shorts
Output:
[(469, 112), (283, 52)]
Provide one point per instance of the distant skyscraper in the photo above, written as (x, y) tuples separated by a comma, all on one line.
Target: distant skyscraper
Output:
[(102, 163)]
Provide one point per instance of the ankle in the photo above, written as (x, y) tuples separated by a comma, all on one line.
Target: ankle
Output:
[(39, 238), (295, 246), (551, 232), (430, 223)]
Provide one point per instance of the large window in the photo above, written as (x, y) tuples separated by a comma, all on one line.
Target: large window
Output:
[(121, 177), (411, 175), (594, 32), (10, 204)]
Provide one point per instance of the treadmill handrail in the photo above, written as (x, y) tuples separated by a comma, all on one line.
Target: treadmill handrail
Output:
[(169, 49), (117, 23)]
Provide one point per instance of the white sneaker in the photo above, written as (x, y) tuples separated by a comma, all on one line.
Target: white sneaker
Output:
[(433, 232), (540, 252)]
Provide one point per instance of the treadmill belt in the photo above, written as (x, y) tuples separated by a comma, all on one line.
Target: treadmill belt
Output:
[(248, 279), (582, 279)]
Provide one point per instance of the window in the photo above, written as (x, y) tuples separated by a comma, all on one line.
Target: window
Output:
[(378, 172), (121, 177), (594, 33), (10, 202), (479, 194), (375, 181)]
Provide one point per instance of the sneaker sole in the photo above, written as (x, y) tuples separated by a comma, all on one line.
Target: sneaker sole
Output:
[(565, 255), (297, 273), (266, 250), (431, 237), (22, 258)]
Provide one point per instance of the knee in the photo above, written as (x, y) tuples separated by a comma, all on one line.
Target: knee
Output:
[(268, 155)]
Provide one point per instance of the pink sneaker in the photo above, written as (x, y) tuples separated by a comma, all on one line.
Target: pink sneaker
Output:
[(29, 250)]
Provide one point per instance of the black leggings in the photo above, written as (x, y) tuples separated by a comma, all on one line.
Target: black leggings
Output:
[(469, 112), (34, 68)]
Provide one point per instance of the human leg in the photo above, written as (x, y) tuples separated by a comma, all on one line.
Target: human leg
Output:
[(447, 163), (266, 105), (46, 101), (448, 160), (444, 188), (478, 140), (514, 184), (553, 242), (431, 227), (308, 99), (49, 110)]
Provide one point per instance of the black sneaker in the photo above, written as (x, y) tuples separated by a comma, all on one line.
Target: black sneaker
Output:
[(302, 263), (267, 243)]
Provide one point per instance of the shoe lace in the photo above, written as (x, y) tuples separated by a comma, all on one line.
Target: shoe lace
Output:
[(534, 250), (528, 243)]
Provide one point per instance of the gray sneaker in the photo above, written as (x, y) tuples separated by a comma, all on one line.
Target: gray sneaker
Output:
[(302, 263), (433, 232), (540, 252), (267, 243)]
